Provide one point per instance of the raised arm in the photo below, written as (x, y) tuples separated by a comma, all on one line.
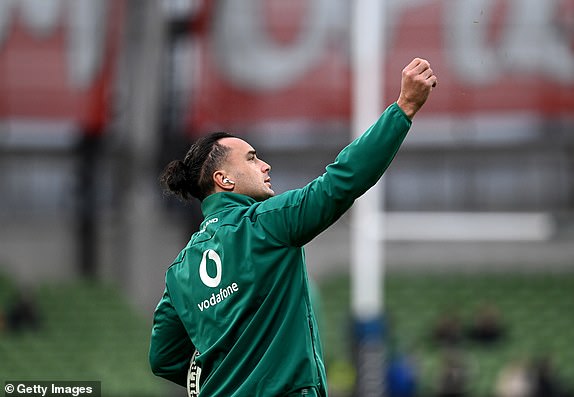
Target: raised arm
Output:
[(297, 216)]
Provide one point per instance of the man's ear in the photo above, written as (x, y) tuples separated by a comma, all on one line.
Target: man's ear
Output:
[(222, 182)]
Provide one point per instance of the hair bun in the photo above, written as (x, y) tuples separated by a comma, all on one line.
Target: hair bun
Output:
[(176, 180), (192, 177)]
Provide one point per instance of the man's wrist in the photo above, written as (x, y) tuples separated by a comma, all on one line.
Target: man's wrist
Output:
[(408, 109)]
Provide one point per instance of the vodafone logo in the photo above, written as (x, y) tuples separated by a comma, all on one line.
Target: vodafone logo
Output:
[(209, 281), (216, 296)]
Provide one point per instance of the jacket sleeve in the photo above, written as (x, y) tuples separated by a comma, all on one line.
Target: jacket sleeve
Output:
[(170, 347), (297, 216)]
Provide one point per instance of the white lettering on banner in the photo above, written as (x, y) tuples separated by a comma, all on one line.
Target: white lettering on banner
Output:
[(248, 56), (209, 281), (85, 29), (395, 10), (528, 42)]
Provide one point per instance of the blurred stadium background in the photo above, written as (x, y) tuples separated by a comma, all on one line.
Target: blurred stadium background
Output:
[(97, 95)]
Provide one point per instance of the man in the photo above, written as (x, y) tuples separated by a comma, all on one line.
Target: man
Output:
[(238, 293)]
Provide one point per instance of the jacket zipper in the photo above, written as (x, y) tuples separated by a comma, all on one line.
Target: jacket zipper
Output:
[(317, 369)]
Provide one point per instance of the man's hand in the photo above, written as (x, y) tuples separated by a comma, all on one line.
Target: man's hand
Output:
[(417, 82)]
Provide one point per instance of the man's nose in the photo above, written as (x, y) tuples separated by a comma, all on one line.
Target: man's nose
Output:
[(265, 167)]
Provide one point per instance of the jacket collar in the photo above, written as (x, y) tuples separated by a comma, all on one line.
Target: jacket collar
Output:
[(218, 202)]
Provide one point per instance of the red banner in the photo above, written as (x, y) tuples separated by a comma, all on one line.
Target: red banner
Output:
[(283, 61), (57, 61)]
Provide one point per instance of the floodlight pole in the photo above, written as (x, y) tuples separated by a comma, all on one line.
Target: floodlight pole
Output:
[(367, 256)]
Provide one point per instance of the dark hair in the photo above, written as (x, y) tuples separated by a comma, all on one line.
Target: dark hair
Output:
[(191, 177)]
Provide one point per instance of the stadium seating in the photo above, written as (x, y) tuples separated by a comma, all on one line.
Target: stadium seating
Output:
[(537, 312), (87, 332)]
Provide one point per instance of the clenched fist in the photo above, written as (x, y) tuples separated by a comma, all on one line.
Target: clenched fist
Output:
[(417, 82)]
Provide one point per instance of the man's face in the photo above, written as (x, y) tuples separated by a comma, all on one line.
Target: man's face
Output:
[(250, 174)]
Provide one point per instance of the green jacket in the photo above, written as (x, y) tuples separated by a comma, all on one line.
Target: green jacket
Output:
[(239, 291)]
